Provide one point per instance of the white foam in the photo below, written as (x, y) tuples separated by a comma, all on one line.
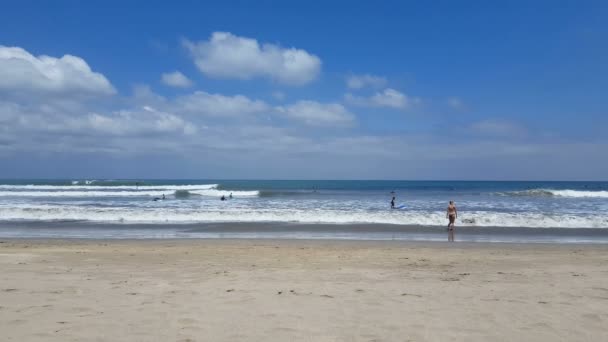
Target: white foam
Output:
[(559, 193), (33, 187), (76, 194), (230, 214), (220, 193), (578, 193), (209, 192)]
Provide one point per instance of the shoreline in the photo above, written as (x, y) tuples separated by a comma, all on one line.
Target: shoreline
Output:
[(301, 290), (298, 231)]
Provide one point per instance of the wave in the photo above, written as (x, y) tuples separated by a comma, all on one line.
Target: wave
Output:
[(76, 194), (220, 193), (180, 193), (288, 193), (164, 215), (36, 187), (557, 193)]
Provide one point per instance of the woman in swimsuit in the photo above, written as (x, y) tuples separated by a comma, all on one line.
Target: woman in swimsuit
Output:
[(452, 215)]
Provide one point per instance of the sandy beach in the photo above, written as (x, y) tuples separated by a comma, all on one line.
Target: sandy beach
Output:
[(268, 290)]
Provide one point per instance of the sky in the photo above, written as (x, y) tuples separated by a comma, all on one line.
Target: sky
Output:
[(466, 90)]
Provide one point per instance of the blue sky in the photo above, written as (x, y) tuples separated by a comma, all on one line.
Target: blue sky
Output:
[(386, 90)]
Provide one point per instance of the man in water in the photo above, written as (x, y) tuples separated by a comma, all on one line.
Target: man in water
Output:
[(230, 195), (452, 215), (393, 203), (223, 198)]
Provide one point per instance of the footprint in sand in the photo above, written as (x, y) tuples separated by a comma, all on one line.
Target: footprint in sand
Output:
[(410, 294), (450, 279)]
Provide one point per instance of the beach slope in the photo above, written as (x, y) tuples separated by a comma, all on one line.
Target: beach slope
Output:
[(263, 290)]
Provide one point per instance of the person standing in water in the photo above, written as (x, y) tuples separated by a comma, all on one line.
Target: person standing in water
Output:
[(393, 203), (452, 215)]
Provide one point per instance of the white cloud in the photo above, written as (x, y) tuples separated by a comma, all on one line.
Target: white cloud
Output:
[(219, 105), (318, 114), (20, 71), (387, 98), (176, 79), (229, 56), (361, 81), (146, 121)]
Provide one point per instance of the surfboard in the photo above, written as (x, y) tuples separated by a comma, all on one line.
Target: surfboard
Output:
[(401, 207)]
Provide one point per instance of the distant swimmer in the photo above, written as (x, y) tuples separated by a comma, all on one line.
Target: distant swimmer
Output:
[(452, 215), (163, 196), (393, 203), (223, 198), (230, 195)]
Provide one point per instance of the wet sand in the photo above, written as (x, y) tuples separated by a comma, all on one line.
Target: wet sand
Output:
[(299, 290)]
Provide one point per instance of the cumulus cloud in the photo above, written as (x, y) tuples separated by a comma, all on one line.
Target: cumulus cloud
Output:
[(387, 98), (144, 121), (135, 122), (366, 80), (176, 79), (228, 56), (219, 105), (318, 114), (21, 72)]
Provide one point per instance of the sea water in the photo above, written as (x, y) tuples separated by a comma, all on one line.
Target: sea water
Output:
[(328, 209)]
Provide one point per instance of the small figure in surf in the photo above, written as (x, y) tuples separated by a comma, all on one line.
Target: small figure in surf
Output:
[(393, 203), (451, 215), (230, 195), (163, 196), (223, 198)]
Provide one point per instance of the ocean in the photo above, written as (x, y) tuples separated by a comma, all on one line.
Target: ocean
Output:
[(488, 210)]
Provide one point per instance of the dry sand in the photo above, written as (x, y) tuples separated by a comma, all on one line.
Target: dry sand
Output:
[(227, 290)]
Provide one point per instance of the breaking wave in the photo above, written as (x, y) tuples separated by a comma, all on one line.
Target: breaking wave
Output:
[(35, 187), (157, 215), (557, 193), (128, 192)]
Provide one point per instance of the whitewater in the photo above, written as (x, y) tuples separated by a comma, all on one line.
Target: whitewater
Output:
[(122, 203)]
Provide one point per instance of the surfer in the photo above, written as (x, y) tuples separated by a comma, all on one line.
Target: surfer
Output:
[(230, 195), (451, 215), (393, 203), (223, 198)]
